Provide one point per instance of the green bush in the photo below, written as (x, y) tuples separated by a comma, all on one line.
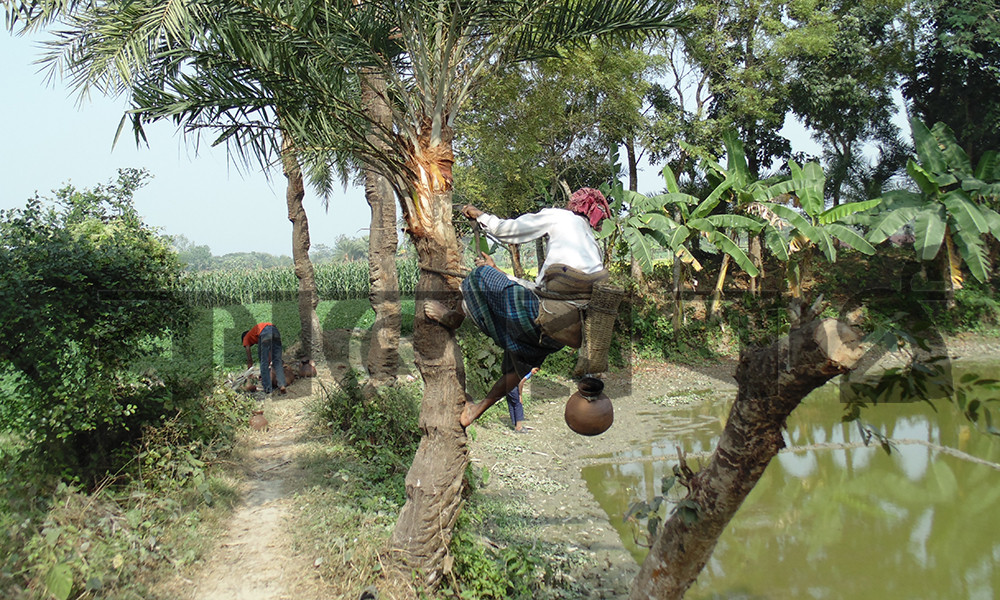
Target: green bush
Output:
[(59, 541), (382, 426), (85, 287)]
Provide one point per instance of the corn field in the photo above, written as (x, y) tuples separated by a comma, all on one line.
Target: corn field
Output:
[(335, 281)]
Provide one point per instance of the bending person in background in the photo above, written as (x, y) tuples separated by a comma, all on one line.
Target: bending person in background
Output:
[(507, 309), (268, 341)]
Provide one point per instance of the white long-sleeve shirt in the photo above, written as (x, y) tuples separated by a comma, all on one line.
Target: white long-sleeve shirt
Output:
[(571, 239)]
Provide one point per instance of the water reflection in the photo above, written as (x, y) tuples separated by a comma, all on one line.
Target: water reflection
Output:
[(833, 518)]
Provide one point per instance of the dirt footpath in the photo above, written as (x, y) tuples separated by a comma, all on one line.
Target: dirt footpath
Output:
[(252, 557)]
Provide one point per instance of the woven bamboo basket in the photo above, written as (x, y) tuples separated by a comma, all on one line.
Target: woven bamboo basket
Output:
[(598, 325)]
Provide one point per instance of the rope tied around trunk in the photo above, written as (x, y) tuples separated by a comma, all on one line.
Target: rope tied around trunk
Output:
[(460, 274)]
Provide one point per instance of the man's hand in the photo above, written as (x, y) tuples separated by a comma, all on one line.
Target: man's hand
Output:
[(485, 259), (471, 212)]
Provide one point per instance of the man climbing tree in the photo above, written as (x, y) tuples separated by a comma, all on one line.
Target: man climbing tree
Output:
[(531, 320)]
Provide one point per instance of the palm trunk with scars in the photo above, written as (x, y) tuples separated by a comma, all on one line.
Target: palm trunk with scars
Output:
[(383, 351), (434, 482), (311, 332)]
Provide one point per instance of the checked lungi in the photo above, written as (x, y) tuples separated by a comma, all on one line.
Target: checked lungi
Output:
[(506, 311)]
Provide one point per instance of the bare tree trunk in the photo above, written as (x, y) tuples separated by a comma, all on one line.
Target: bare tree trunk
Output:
[(311, 333), (756, 257), (539, 252), (719, 284), (633, 167), (633, 185), (951, 270), (515, 260), (420, 539), (678, 293), (383, 352), (772, 382)]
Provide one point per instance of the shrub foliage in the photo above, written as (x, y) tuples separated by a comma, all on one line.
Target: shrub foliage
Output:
[(84, 288)]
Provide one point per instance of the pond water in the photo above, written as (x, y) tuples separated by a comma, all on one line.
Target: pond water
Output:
[(832, 518)]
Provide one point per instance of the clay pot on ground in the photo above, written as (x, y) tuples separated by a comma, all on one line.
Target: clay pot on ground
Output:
[(257, 421), (289, 377), (307, 368), (589, 410)]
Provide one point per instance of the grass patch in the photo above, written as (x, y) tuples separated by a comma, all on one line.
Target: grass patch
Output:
[(115, 538), (355, 469), (499, 554)]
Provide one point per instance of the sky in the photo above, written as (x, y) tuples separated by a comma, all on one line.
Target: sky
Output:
[(51, 139)]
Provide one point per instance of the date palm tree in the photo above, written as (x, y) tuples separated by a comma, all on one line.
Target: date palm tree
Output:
[(227, 65)]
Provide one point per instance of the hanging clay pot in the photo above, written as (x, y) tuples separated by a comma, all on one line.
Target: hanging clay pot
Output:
[(589, 410), (257, 421)]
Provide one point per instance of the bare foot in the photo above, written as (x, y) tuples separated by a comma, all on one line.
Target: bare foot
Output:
[(438, 312), (468, 414)]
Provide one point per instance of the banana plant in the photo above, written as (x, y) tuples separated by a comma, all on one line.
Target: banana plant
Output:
[(811, 225), (675, 221), (948, 212), (743, 197)]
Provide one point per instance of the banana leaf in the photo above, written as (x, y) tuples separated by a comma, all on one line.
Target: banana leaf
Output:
[(980, 188), (954, 156), (677, 237), (670, 180), (988, 169), (824, 241), (964, 213), (851, 238), (742, 222), (640, 246), (927, 148), (776, 243), (929, 227), (701, 225), (992, 220), (736, 159), (809, 182), (727, 245), (839, 213), (973, 252), (794, 218), (890, 222), (926, 180)]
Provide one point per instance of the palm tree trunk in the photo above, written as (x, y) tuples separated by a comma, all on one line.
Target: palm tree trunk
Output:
[(420, 540), (311, 334), (383, 350), (772, 382)]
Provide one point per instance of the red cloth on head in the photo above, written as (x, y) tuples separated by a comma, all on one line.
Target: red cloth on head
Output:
[(591, 204)]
